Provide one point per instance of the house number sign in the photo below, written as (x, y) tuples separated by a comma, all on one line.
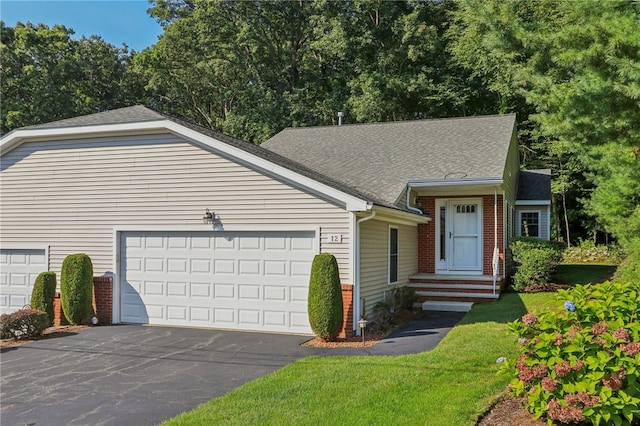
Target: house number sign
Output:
[(334, 238)]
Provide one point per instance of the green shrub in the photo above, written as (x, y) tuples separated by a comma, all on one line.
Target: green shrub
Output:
[(76, 287), (44, 291), (629, 269), (23, 324), (581, 363), (536, 260), (588, 252), (403, 298), (383, 317), (325, 297)]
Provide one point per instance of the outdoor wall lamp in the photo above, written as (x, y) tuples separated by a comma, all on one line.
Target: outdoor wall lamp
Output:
[(418, 202), (208, 216)]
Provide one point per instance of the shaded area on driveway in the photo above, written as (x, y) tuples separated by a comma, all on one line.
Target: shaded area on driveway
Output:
[(131, 374)]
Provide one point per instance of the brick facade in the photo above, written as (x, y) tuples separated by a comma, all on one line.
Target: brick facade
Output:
[(102, 303), (427, 234), (347, 306)]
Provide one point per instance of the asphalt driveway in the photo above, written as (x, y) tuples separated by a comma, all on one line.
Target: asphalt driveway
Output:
[(136, 375), (133, 375)]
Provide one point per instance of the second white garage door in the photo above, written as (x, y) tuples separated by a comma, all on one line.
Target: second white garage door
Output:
[(237, 280)]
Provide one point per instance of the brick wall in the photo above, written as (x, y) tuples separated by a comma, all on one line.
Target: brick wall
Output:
[(347, 305), (103, 299), (427, 237), (102, 302)]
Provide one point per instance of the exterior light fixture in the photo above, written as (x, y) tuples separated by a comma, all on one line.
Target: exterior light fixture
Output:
[(418, 202), (362, 324), (208, 216)]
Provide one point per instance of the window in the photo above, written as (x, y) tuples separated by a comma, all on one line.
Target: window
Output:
[(530, 224), (393, 255)]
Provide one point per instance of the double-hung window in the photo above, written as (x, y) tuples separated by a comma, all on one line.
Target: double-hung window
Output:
[(530, 224)]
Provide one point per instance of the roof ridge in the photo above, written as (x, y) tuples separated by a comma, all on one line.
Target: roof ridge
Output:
[(382, 123)]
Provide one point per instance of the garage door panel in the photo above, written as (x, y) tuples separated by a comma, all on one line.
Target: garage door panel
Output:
[(243, 280), (19, 270)]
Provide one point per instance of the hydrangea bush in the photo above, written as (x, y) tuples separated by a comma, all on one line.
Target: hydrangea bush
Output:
[(580, 362)]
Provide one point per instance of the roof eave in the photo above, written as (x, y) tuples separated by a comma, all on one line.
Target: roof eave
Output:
[(431, 183)]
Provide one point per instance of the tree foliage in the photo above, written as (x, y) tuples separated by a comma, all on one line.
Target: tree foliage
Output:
[(45, 75), (577, 66), (253, 68)]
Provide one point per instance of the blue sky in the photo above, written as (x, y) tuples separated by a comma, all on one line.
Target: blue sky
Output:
[(116, 21)]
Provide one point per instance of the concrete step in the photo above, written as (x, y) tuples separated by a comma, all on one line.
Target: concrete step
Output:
[(456, 294), (449, 286), (447, 306)]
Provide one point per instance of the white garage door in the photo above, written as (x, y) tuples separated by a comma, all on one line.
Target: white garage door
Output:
[(19, 269), (236, 280)]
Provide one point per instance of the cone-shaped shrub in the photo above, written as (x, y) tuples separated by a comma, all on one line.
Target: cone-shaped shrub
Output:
[(325, 297), (43, 293), (76, 287)]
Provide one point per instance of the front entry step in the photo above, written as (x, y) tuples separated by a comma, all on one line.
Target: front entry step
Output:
[(432, 305)]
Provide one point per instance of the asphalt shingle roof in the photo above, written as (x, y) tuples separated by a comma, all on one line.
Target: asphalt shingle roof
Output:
[(133, 114), (534, 185), (381, 158)]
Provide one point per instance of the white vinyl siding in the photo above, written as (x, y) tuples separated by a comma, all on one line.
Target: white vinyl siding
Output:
[(73, 194), (374, 259)]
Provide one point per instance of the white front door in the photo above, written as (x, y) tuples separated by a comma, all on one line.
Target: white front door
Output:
[(459, 246)]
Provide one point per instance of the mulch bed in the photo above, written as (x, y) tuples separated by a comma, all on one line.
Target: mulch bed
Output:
[(49, 333)]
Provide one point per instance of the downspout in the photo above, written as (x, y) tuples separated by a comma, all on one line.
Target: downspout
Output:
[(413, 209), (356, 285), (496, 252)]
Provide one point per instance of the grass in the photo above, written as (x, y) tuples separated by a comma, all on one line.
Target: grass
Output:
[(573, 274), (453, 384)]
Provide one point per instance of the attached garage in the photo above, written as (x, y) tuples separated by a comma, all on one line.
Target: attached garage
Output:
[(236, 280), (18, 271)]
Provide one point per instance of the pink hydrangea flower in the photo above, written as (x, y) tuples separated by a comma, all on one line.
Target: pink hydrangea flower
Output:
[(578, 365), (549, 384), (588, 400), (539, 370), (562, 369), (612, 382), (631, 348), (529, 319), (621, 334), (600, 328)]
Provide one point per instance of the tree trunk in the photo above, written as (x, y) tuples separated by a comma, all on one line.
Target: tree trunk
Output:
[(566, 218)]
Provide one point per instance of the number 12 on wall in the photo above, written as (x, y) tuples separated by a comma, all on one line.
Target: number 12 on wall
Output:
[(334, 238)]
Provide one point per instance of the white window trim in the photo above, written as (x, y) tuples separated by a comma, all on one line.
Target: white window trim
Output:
[(519, 224), (389, 282)]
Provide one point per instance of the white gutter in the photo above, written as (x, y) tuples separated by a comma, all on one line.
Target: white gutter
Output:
[(413, 209), (356, 284), (455, 182)]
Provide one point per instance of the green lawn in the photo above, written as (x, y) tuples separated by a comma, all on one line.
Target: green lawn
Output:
[(580, 273), (453, 384)]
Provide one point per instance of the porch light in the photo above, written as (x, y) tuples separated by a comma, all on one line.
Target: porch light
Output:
[(418, 202), (208, 216), (362, 324)]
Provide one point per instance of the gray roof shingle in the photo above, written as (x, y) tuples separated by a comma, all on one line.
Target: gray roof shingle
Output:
[(381, 158), (133, 114), (534, 185)]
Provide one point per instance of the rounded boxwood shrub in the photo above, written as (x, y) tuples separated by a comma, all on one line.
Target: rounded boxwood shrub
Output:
[(76, 287), (43, 293), (325, 297), (536, 260)]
